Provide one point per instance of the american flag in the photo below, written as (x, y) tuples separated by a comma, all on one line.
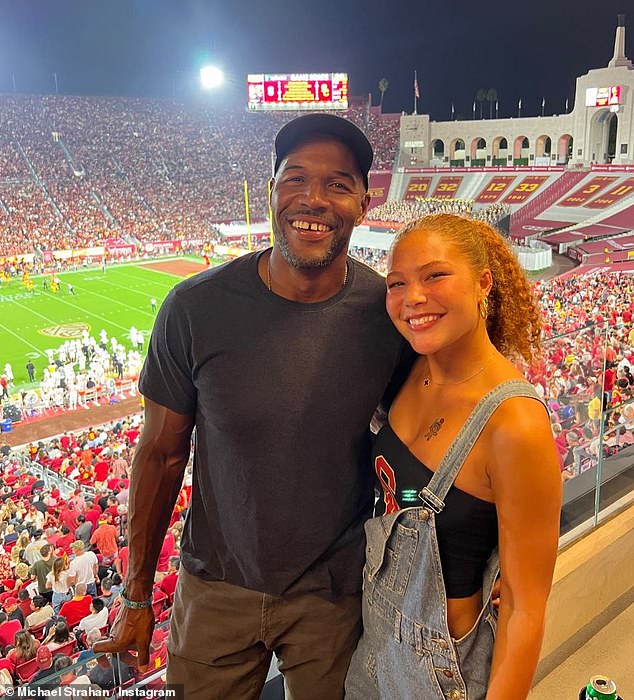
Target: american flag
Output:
[(416, 90)]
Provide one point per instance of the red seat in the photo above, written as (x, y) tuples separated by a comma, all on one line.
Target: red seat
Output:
[(67, 648), (27, 670), (157, 604), (38, 631)]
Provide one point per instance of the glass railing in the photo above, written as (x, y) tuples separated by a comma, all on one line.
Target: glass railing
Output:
[(590, 399), (104, 675)]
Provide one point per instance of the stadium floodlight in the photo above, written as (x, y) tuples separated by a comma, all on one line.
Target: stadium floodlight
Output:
[(211, 77)]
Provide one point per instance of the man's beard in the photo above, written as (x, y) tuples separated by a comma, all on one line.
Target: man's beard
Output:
[(338, 243)]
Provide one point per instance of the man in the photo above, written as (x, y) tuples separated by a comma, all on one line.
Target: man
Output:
[(30, 368), (24, 602), (32, 551), (83, 568), (98, 617), (41, 612), (105, 539), (41, 569), (70, 677), (84, 530), (93, 513), (44, 661), (77, 607), (169, 581), (274, 546), (13, 610), (65, 540), (107, 595)]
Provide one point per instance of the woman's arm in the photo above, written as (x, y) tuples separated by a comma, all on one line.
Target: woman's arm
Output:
[(525, 478)]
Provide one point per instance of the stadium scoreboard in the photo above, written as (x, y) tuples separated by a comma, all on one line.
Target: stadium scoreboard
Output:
[(297, 91), (603, 96)]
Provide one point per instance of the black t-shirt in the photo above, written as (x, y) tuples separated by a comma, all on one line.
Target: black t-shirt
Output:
[(283, 393)]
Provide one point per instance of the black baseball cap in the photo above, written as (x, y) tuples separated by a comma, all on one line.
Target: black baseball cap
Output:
[(303, 128)]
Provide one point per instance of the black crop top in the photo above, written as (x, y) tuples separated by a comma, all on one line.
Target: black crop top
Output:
[(466, 529)]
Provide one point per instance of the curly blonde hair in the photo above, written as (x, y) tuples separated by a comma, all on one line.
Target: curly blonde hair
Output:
[(514, 322)]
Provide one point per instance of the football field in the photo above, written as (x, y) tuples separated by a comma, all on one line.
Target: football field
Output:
[(115, 300)]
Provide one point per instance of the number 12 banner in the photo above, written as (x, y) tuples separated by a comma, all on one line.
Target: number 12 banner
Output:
[(494, 189)]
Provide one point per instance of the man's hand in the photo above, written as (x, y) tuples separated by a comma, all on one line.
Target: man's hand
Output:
[(131, 631)]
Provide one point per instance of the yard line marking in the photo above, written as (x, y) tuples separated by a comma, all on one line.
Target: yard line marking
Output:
[(83, 311), (135, 309), (20, 338)]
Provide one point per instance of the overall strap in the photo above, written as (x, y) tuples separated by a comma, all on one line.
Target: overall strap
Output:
[(434, 493)]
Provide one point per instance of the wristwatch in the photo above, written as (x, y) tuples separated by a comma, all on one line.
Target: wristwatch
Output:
[(135, 604)]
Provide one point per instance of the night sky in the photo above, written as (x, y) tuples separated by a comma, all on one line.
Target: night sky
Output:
[(523, 49)]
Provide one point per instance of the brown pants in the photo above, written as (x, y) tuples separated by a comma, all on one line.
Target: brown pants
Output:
[(223, 638)]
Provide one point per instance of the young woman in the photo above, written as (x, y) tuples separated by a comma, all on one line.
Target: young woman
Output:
[(467, 464), (21, 544), (25, 648), (58, 635), (57, 579)]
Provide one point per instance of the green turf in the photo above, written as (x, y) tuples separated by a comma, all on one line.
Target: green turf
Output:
[(114, 300)]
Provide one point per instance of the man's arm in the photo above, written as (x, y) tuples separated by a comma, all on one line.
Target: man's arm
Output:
[(157, 474)]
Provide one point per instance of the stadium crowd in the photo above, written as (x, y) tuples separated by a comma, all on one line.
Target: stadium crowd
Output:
[(64, 555), (78, 171)]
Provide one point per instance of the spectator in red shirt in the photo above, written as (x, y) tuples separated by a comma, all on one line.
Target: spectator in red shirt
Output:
[(167, 551), (113, 506), (168, 584), (24, 602), (121, 562), (102, 468), (77, 502), (68, 517), (93, 513), (65, 540), (77, 607)]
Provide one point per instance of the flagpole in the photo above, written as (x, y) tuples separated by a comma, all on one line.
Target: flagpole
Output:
[(415, 90)]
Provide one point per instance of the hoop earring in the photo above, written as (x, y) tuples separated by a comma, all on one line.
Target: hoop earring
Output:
[(483, 307)]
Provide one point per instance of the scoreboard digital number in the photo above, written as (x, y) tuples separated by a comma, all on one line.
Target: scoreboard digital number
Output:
[(306, 91)]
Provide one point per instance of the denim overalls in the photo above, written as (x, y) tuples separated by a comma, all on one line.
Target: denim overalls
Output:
[(406, 650)]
